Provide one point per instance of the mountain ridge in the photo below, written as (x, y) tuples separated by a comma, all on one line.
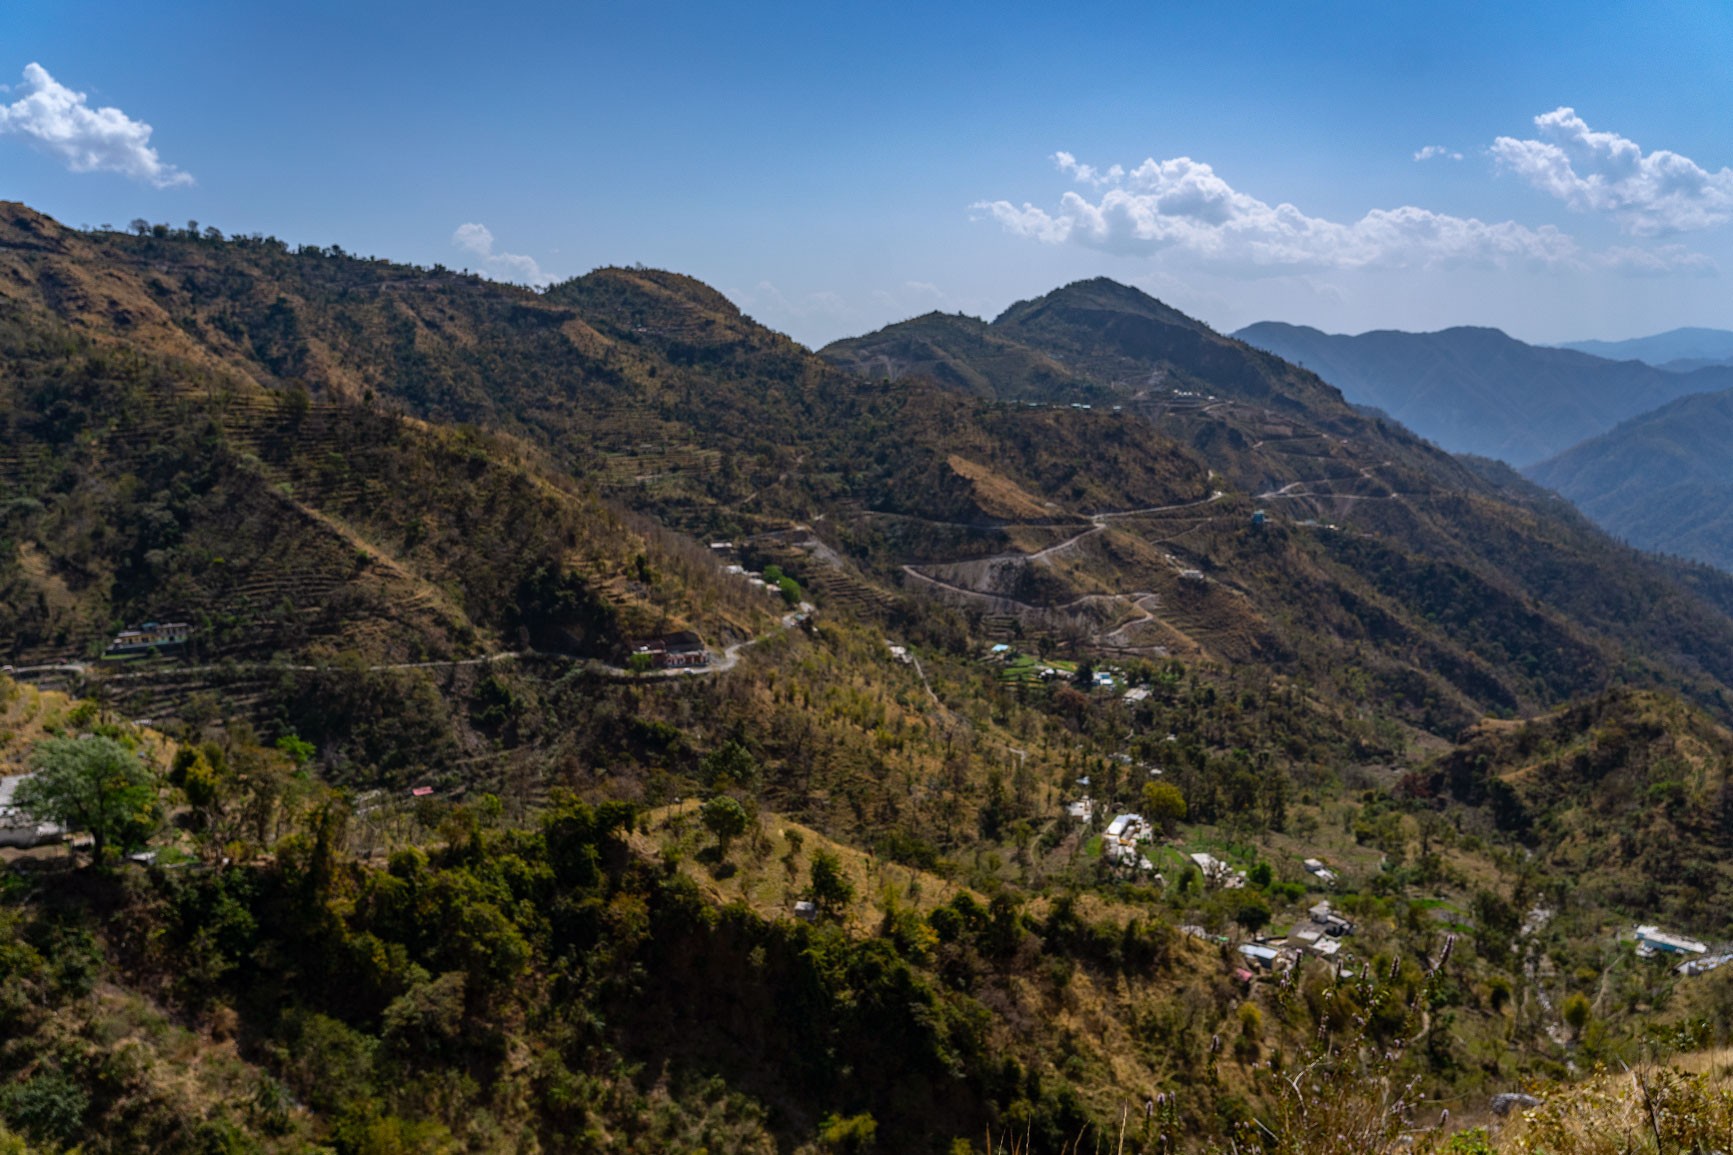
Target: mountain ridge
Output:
[(1478, 390), (1682, 346), (1661, 480)]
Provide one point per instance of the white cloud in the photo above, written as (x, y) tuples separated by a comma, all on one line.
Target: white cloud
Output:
[(61, 121), (477, 240), (1602, 172), (1182, 204), (1087, 174), (1435, 152), (1661, 260)]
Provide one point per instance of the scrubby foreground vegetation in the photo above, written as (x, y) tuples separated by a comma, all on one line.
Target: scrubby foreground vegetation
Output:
[(606, 977), (411, 846)]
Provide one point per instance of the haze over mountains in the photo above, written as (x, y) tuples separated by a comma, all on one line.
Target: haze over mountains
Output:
[(1475, 390), (1662, 481), (1639, 443), (1677, 350)]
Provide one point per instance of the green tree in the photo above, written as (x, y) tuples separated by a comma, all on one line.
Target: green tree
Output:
[(727, 820), (93, 784), (728, 766), (1253, 914), (830, 890), (299, 750), (1163, 803), (1577, 1010)]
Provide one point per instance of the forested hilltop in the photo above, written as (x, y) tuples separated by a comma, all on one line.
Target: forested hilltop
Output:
[(603, 724)]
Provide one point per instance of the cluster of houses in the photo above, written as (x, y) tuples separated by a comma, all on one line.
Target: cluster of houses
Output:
[(1121, 842), (1321, 936), (1005, 652), (752, 578)]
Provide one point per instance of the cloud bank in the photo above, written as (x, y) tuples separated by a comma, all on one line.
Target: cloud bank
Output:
[(1648, 194), (477, 240), (1182, 204), (61, 122)]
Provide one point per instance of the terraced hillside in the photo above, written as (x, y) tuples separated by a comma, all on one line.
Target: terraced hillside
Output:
[(1339, 542), (143, 487)]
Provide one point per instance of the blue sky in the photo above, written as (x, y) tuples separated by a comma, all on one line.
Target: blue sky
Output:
[(840, 166)]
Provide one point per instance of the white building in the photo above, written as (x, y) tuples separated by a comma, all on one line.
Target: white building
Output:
[(1127, 828), (18, 829), (1652, 940), (1218, 873)]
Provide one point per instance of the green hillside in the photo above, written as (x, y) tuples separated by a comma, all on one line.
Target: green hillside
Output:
[(1660, 481), (441, 866)]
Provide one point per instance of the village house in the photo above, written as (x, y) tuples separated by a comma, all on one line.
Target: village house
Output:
[(1218, 873), (1699, 966), (20, 830), (682, 650), (149, 636), (1119, 842), (1652, 940), (1329, 921), (1126, 828)]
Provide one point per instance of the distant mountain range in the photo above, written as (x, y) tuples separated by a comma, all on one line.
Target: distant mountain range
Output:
[(1676, 350), (1662, 481), (1476, 390)]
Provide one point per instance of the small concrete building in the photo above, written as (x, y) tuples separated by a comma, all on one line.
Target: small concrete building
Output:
[(1218, 873), (18, 829), (1126, 828), (1652, 940), (150, 636), (677, 651)]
